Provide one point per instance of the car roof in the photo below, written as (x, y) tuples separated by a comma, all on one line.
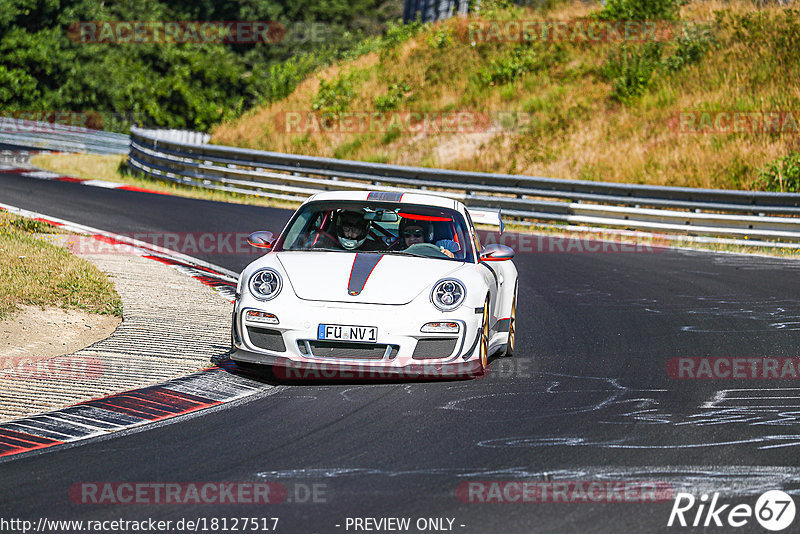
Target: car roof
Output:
[(390, 196)]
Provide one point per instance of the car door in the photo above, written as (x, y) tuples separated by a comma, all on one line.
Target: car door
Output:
[(492, 275)]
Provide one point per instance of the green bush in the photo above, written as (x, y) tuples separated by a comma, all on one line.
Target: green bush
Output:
[(782, 175), (397, 93), (334, 96), (13, 83), (513, 65), (630, 69), (347, 149), (398, 33), (640, 10), (692, 43), (441, 38), (391, 135), (45, 67), (284, 77), (497, 9)]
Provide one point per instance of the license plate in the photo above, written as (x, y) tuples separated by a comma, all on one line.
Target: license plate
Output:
[(343, 332)]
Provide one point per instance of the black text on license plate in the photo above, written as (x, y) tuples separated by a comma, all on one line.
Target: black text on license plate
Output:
[(342, 332)]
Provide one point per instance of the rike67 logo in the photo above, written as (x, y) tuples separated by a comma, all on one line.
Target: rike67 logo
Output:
[(774, 510)]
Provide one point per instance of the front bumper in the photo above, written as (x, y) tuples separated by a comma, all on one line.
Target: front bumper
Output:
[(396, 352), (330, 369)]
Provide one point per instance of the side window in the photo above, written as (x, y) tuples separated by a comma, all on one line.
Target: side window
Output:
[(474, 234), (298, 228)]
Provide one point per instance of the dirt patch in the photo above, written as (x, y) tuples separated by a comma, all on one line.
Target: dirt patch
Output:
[(461, 147), (35, 333)]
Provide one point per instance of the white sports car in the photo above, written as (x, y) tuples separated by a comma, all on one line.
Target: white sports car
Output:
[(377, 284)]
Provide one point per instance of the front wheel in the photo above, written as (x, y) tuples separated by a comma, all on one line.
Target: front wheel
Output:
[(484, 343), (512, 326)]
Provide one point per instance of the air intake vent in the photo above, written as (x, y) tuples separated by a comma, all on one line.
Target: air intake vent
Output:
[(338, 349), (432, 348), (266, 339)]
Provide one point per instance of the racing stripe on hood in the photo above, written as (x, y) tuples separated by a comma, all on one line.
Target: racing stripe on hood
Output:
[(363, 266)]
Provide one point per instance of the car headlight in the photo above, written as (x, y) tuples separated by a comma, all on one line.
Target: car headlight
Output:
[(447, 295), (265, 284)]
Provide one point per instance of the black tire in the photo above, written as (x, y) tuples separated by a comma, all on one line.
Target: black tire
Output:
[(512, 326), (484, 341)]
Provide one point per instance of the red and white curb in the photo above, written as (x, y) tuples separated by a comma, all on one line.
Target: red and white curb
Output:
[(204, 389), (53, 176), (113, 413)]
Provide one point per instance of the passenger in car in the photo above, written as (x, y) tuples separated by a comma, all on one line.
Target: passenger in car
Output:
[(414, 231)]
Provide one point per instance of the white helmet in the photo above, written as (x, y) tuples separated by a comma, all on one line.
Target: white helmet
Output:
[(352, 228)]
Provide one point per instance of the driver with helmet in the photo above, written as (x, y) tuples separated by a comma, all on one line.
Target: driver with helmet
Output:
[(348, 230), (413, 232), (352, 231)]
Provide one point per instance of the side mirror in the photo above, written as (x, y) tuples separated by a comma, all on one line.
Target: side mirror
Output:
[(496, 252), (262, 239)]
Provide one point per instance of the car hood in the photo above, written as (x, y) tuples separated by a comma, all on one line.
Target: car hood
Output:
[(338, 276)]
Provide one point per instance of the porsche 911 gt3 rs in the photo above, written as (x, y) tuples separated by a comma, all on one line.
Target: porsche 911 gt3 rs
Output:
[(377, 281)]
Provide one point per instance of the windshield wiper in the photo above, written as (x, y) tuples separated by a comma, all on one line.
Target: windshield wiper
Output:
[(404, 253), (317, 249)]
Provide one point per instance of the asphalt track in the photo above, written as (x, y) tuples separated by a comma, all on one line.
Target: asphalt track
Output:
[(586, 398)]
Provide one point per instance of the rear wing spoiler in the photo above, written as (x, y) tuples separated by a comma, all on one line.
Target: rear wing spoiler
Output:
[(487, 216)]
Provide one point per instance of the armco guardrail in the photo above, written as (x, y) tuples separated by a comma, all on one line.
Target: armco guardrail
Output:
[(716, 212), (34, 135), (178, 136)]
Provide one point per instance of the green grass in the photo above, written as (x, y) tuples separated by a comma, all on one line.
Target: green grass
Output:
[(34, 272)]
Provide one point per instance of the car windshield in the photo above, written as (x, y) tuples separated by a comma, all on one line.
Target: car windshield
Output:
[(381, 227)]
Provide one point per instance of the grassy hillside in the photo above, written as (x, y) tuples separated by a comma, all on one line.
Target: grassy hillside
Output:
[(565, 108)]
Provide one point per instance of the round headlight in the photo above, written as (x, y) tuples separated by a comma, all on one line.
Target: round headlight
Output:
[(265, 284), (447, 295)]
